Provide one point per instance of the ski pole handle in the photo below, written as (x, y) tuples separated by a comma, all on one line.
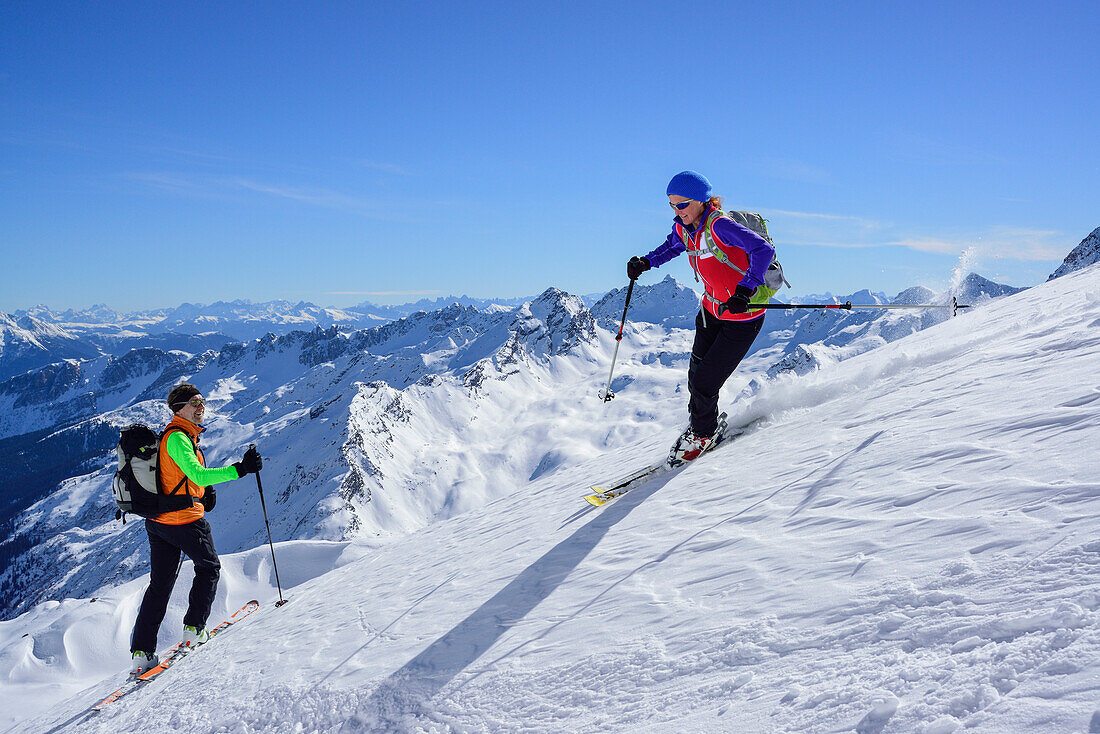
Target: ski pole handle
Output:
[(629, 293)]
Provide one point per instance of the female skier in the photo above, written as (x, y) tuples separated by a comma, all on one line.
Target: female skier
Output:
[(731, 261)]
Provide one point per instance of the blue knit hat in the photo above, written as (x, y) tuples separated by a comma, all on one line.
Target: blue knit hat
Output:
[(690, 185)]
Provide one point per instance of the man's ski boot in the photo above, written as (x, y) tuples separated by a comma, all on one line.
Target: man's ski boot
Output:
[(143, 661), (194, 636)]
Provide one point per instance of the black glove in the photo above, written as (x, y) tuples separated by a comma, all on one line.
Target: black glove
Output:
[(209, 499), (251, 463), (739, 301), (636, 266)]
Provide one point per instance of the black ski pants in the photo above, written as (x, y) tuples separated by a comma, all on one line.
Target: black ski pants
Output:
[(166, 542), (719, 347)]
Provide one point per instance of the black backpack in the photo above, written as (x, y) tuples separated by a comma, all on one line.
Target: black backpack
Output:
[(136, 484)]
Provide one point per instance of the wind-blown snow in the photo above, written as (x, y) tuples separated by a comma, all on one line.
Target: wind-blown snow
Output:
[(903, 542)]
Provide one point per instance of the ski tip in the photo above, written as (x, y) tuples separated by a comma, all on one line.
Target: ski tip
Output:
[(595, 500), (254, 601)]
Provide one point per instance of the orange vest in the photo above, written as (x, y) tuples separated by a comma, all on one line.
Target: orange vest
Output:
[(172, 478)]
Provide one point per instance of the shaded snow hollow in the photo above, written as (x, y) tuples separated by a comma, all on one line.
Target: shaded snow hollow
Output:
[(905, 543)]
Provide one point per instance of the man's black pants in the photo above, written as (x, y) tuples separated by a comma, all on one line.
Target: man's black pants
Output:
[(166, 542), (719, 347)]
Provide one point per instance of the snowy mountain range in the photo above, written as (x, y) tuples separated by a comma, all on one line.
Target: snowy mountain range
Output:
[(407, 434), (27, 343), (419, 383), (38, 336), (875, 554)]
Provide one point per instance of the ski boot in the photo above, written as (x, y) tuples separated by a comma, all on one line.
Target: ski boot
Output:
[(143, 661), (194, 636), (689, 446)]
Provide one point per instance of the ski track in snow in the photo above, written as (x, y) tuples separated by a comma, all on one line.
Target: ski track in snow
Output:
[(905, 545)]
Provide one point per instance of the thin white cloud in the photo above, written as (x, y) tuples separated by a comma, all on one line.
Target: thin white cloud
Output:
[(807, 215), (795, 170), (840, 244), (932, 244), (996, 243), (861, 222), (385, 167), (225, 187), (1026, 244), (162, 180), (384, 293), (316, 197)]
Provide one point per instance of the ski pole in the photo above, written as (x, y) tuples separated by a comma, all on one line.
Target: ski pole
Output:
[(606, 394), (260, 486), (848, 306)]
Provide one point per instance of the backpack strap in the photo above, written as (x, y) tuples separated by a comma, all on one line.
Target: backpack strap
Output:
[(708, 240), (175, 492)]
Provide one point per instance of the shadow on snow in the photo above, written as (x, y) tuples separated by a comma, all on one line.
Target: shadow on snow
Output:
[(404, 692)]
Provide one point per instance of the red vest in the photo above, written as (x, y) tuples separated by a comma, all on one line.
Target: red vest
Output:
[(719, 279)]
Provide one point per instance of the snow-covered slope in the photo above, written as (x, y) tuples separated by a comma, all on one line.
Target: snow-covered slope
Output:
[(363, 429), (803, 341), (902, 542)]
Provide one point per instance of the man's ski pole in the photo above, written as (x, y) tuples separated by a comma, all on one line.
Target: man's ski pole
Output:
[(263, 505), (606, 394), (848, 306)]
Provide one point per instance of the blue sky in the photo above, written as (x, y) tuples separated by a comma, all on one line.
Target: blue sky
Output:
[(155, 153)]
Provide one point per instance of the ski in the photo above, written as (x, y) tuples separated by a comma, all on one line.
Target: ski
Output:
[(180, 651), (173, 655), (604, 493)]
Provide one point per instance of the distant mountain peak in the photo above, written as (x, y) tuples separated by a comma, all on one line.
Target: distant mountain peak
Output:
[(667, 302), (867, 298), (976, 288), (1085, 254), (913, 296)]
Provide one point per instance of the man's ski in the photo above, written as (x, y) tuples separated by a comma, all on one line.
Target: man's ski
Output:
[(180, 650), (173, 655), (604, 493)]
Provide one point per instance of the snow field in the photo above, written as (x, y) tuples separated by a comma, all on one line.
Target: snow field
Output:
[(903, 544)]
